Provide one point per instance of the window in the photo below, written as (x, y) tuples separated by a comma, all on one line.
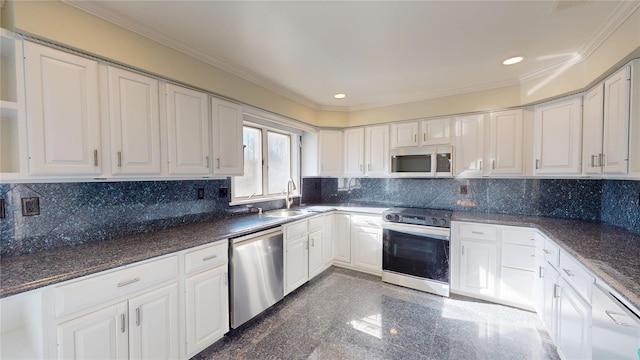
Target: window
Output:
[(268, 164)]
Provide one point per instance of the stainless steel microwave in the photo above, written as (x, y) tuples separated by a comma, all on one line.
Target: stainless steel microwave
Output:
[(423, 161)]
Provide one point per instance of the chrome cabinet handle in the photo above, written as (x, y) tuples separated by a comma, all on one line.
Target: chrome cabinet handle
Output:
[(119, 158), (95, 157), (122, 324), (206, 159), (360, 167), (137, 316), (568, 272), (226, 279), (593, 160), (312, 243), (493, 164), (609, 314), (462, 250), (210, 257), (415, 138), (537, 163), (601, 160), (556, 291), (369, 167), (424, 136), (218, 163), (477, 232), (128, 282), (540, 272), (480, 163)]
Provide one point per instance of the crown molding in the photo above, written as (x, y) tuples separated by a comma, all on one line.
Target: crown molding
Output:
[(613, 22)]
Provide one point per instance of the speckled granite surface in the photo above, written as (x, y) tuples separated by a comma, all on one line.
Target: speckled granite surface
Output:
[(26, 272), (610, 252)]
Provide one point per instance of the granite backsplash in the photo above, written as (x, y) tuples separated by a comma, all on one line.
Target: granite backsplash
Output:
[(76, 213), (612, 201)]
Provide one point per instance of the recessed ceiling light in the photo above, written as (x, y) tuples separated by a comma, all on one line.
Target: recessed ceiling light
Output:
[(513, 60), (339, 96)]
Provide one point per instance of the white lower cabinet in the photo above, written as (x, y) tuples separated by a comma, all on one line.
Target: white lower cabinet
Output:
[(342, 238), (358, 242), (207, 308), (478, 268), (297, 263), (143, 327), (574, 324), (367, 241), (316, 252)]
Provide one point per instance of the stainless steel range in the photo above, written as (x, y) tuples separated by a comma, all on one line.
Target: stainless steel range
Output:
[(415, 251)]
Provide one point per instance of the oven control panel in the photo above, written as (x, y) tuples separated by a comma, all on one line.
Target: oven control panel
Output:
[(415, 216)]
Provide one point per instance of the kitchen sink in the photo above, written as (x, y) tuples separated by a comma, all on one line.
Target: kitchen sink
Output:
[(285, 213)]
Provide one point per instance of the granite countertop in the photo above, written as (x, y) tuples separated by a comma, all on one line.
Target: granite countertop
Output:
[(609, 252)]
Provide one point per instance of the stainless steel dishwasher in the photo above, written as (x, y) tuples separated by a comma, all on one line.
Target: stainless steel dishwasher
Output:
[(256, 279)]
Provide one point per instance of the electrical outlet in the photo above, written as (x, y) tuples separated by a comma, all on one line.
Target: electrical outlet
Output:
[(639, 199), (2, 213), (463, 189), (223, 192), (201, 193), (30, 206)]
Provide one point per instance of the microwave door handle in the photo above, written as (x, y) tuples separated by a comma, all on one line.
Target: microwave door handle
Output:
[(434, 163)]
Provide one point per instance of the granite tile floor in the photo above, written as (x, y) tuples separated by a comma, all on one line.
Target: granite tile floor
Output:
[(343, 314)]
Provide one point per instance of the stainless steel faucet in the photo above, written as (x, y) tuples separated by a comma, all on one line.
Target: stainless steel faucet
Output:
[(290, 187)]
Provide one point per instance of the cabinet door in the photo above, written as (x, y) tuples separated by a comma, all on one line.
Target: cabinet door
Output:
[(404, 134), (377, 150), (367, 245), (506, 143), (557, 138), (207, 308), (593, 118), (435, 132), (354, 152), (469, 150), (102, 334), (316, 244), (296, 263), (63, 104), (153, 324), (550, 302), (188, 131), (228, 151), (330, 152), (342, 238), (327, 246), (516, 286), (134, 123), (615, 150), (478, 268), (574, 330)]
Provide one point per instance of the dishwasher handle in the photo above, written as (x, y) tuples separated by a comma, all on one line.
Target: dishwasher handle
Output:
[(257, 236)]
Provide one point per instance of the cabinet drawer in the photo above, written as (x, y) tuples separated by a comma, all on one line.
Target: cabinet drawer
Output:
[(205, 258), (365, 220), (519, 256), (479, 232), (94, 290), (316, 223), (576, 275), (524, 237), (551, 253), (295, 230)]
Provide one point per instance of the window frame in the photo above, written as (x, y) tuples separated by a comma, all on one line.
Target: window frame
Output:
[(295, 165)]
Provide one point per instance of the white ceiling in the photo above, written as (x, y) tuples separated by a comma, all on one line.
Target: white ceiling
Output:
[(376, 52)]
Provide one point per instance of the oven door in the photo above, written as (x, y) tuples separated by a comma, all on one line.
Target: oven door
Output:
[(418, 251)]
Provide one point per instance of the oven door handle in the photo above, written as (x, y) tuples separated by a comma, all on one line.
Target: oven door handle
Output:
[(419, 230)]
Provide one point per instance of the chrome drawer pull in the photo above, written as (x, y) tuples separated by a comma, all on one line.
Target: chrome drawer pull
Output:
[(137, 316), (546, 251), (210, 257), (128, 282), (122, 324), (569, 273), (556, 291), (610, 315), (477, 232)]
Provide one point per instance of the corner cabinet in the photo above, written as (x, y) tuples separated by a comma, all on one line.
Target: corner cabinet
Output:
[(63, 103), (188, 131), (615, 140), (134, 123), (228, 150), (557, 138), (330, 152)]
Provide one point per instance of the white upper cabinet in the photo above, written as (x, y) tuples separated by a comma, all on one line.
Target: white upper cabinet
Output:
[(615, 143), (506, 143), (376, 151), (469, 145), (228, 150), (557, 138), (404, 134), (188, 131), (63, 114), (354, 151), (592, 120), (330, 152), (435, 132), (134, 123)]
